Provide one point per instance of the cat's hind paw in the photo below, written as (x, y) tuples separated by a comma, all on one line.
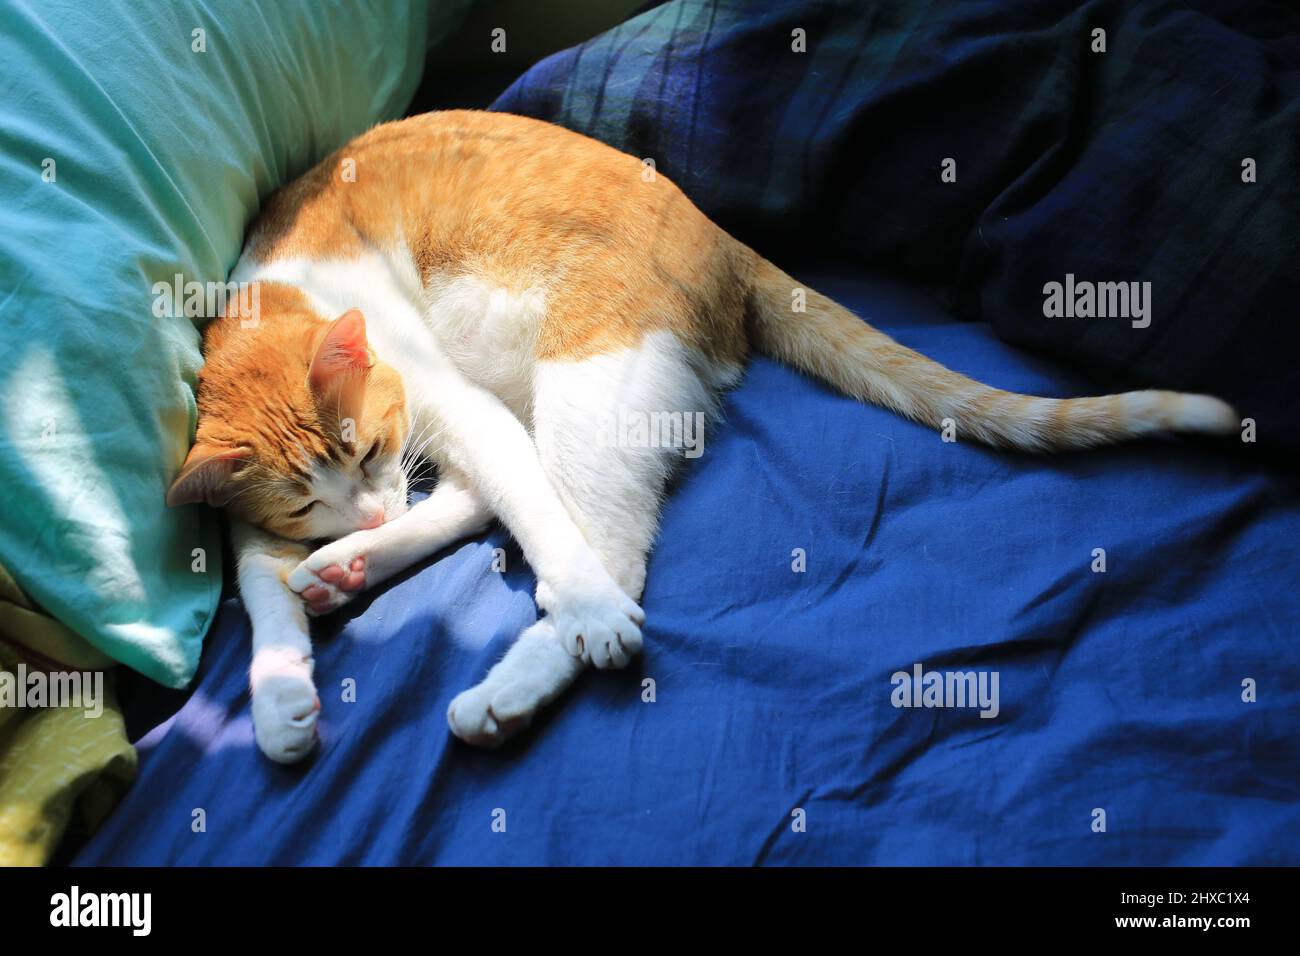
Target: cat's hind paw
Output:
[(605, 637), (326, 582), (598, 624), (531, 675), (488, 715)]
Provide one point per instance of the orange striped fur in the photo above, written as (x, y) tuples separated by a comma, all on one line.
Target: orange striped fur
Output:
[(621, 253)]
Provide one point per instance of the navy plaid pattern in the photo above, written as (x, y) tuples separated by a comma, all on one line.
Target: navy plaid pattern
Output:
[(1117, 166)]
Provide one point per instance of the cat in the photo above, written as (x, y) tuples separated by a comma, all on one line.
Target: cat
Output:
[(481, 292)]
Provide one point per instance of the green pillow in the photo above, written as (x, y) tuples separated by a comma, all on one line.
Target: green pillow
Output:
[(136, 140)]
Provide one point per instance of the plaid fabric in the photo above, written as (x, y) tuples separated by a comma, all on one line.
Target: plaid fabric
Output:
[(1122, 166)]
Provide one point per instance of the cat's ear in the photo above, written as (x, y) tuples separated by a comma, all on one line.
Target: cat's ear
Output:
[(338, 370), (342, 355), (205, 476)]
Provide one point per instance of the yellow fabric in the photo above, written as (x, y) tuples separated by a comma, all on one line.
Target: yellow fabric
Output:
[(58, 767), (21, 623)]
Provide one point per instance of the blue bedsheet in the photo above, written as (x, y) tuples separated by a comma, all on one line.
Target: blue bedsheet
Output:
[(1120, 691)]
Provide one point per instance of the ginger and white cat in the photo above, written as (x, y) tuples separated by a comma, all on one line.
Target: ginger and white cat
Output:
[(483, 291)]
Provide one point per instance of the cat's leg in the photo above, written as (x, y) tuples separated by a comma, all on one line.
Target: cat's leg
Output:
[(534, 671), (611, 481), (339, 571), (484, 440), (611, 431), (285, 704)]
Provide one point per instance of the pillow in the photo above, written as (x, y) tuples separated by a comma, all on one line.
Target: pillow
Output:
[(136, 139), (824, 128)]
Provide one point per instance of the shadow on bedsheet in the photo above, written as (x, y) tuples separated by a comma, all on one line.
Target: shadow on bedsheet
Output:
[(773, 735)]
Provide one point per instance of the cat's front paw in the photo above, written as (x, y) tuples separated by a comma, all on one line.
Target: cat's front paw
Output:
[(328, 578), (285, 706), (596, 622)]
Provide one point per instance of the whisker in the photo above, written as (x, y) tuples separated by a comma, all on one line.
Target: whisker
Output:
[(415, 445)]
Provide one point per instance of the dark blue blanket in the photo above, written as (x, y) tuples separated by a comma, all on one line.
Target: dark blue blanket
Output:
[(1119, 691), (823, 125)]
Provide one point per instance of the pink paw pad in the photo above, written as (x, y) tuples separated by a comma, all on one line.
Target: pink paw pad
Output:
[(356, 576), (323, 597), (351, 578)]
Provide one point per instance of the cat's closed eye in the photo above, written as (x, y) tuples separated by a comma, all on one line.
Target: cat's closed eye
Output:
[(370, 455), (303, 511)]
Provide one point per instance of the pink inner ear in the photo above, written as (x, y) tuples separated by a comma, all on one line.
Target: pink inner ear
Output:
[(341, 354), (205, 473)]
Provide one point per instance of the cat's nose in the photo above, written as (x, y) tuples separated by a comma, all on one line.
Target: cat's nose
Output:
[(372, 520)]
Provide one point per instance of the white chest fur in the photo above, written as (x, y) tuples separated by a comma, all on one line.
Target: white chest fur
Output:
[(489, 333), (486, 331)]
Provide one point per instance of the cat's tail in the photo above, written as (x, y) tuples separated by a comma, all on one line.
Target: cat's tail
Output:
[(828, 341)]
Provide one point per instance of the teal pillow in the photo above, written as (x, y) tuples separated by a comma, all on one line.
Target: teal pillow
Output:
[(136, 140)]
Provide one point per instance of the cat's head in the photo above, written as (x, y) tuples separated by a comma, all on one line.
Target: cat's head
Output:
[(301, 429)]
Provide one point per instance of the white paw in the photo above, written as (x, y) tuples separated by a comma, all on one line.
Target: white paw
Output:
[(285, 706), (601, 637), (489, 714), (531, 675), (598, 624), (329, 577)]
